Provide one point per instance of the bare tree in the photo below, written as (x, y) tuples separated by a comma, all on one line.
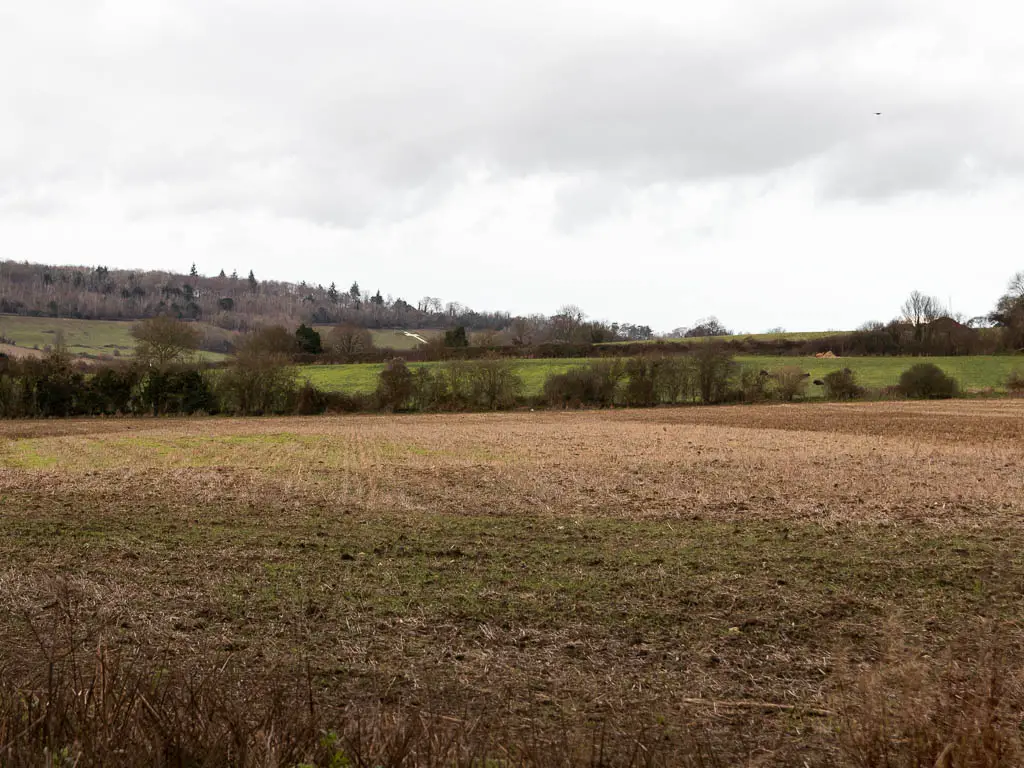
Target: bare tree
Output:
[(1015, 287), (526, 331), (919, 310), (566, 322), (272, 340), (161, 341), (708, 326), (349, 340)]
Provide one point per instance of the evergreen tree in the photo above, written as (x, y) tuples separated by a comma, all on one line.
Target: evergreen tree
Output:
[(332, 293), (222, 275), (456, 337), (193, 272), (309, 340), (253, 284)]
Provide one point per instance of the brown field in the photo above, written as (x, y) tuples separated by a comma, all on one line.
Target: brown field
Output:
[(773, 585)]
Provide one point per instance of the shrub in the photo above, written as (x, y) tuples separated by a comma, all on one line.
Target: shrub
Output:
[(50, 387), (715, 371), (309, 400), (456, 337), (257, 384), (495, 384), (395, 385), (674, 379), (345, 402), (568, 390), (308, 340), (640, 385), (754, 386), (176, 391), (927, 381), (451, 386), (11, 397), (842, 385), (110, 390), (791, 382), (593, 384)]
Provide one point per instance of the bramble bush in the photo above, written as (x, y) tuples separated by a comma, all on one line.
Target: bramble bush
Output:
[(927, 381)]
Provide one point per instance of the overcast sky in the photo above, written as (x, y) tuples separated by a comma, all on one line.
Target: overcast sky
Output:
[(651, 161)]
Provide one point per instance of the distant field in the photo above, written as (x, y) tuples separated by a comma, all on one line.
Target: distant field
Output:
[(362, 377), (97, 338), (82, 337), (977, 372), (389, 339), (974, 372), (795, 336)]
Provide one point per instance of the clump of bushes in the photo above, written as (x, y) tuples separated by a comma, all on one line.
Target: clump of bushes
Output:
[(594, 384), (791, 382), (715, 372), (489, 384), (394, 385), (182, 390), (842, 385), (927, 381)]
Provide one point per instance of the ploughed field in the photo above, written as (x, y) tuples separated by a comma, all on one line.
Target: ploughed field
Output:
[(775, 585)]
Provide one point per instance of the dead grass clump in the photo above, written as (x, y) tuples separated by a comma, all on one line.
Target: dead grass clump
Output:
[(1015, 383), (962, 710), (73, 695)]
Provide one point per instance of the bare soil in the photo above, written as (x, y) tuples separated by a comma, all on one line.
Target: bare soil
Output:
[(723, 577)]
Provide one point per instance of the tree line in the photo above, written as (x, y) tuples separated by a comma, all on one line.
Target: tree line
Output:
[(163, 378), (923, 326)]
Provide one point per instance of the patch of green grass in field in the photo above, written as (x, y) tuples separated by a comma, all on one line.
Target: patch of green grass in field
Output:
[(974, 372), (95, 338), (971, 372), (389, 339), (92, 337), (362, 377)]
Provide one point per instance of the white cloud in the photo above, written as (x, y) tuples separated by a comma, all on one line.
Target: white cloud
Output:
[(651, 161)]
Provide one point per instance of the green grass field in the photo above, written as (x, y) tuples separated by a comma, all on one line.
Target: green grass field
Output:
[(92, 338), (362, 377), (388, 339), (82, 337), (973, 373)]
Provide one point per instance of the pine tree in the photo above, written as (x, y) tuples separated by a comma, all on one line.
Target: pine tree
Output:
[(193, 272), (332, 293), (222, 275), (253, 285)]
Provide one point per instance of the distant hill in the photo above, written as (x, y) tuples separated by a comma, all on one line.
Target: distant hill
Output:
[(230, 302), (22, 336)]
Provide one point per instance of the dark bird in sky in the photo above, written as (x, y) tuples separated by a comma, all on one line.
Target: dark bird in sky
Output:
[(877, 113)]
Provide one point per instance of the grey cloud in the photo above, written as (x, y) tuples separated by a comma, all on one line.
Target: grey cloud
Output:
[(581, 202), (348, 113)]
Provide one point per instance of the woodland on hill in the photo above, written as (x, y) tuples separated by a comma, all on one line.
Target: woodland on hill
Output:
[(922, 327), (226, 301)]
